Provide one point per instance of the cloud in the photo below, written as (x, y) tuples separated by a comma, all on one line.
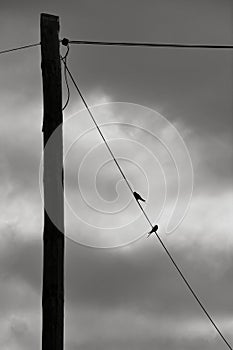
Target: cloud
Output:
[(20, 304), (20, 332), (120, 329), (128, 298), (212, 160), (125, 296)]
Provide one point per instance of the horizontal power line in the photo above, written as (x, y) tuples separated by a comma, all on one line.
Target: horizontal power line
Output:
[(145, 44), (19, 48), (126, 44)]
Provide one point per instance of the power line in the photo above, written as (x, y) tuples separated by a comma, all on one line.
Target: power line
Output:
[(132, 44), (66, 80), (145, 44), (143, 211), (100, 132), (19, 48), (192, 292)]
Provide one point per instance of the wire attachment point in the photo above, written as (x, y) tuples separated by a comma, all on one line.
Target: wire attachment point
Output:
[(65, 42)]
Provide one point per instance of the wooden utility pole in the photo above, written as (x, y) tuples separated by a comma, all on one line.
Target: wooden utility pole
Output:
[(53, 239)]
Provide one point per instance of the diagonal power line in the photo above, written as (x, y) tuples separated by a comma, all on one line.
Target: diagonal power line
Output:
[(144, 213), (100, 132), (134, 44)]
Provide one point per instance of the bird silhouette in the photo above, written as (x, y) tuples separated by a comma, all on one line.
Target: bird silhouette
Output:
[(154, 229), (138, 197)]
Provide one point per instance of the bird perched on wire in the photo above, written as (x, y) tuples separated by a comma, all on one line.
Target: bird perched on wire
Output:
[(154, 229), (138, 197)]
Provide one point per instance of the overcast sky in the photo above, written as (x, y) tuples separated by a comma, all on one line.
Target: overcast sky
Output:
[(130, 297)]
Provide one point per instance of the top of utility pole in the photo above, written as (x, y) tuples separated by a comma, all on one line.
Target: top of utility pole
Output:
[(50, 57)]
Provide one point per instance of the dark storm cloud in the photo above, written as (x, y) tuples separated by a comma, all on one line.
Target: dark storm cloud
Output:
[(21, 260), (141, 279), (145, 280), (192, 85), (147, 344), (156, 19)]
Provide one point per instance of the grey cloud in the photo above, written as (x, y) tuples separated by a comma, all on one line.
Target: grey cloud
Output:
[(20, 336), (140, 280), (212, 161), (144, 280), (21, 260), (147, 344), (192, 87)]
